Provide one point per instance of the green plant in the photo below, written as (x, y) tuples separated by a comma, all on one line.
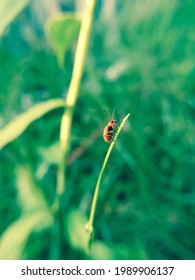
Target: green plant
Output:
[(72, 94), (14, 129), (89, 226), (140, 59)]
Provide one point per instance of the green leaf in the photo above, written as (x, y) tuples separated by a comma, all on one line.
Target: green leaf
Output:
[(75, 229), (110, 251), (30, 197), (61, 31), (16, 127), (51, 154), (15, 237), (9, 9)]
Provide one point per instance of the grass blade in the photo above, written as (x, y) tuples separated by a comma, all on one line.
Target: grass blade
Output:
[(89, 225), (9, 9), (14, 238), (16, 127)]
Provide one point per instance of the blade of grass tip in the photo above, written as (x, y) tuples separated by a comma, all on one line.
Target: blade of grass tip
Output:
[(89, 225)]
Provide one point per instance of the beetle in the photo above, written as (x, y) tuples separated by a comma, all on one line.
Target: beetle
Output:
[(109, 129)]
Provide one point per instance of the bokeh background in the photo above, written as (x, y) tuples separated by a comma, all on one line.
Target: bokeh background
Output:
[(140, 59)]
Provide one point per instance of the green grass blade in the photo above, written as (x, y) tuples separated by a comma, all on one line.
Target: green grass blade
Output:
[(9, 9), (14, 238), (16, 127), (89, 225)]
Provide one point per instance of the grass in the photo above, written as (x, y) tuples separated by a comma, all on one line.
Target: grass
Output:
[(89, 225), (140, 59)]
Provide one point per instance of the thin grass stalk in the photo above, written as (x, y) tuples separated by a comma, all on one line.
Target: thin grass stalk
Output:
[(89, 225)]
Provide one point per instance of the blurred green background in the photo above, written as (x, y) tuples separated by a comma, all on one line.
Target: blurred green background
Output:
[(140, 60)]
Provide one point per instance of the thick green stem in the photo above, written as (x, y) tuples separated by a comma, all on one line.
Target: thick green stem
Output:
[(72, 95)]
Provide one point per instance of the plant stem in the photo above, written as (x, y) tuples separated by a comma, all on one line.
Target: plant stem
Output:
[(72, 95), (89, 226)]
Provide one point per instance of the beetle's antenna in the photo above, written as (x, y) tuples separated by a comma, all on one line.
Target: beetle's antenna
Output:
[(113, 113), (106, 112), (109, 116)]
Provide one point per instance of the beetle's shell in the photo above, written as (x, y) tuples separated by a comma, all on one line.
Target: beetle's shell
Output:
[(109, 131)]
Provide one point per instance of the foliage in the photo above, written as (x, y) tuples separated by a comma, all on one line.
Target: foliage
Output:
[(61, 30), (140, 60)]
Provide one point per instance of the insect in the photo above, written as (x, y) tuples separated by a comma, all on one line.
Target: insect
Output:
[(108, 133)]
